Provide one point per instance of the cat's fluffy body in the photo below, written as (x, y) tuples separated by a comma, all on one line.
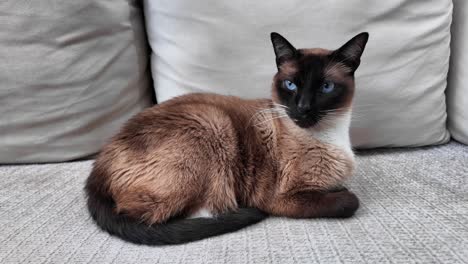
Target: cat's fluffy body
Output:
[(205, 155)]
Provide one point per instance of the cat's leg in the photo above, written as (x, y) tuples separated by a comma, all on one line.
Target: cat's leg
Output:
[(153, 206), (220, 194), (312, 204), (168, 192)]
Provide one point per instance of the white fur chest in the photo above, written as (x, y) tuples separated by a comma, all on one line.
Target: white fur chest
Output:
[(336, 133)]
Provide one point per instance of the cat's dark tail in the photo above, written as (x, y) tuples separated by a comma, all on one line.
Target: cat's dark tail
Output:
[(174, 232)]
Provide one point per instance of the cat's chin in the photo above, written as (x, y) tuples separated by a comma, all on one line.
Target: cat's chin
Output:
[(306, 123)]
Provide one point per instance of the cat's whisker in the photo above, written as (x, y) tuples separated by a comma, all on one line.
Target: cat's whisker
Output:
[(354, 116), (271, 119), (358, 104), (268, 112), (276, 106), (274, 103), (280, 105), (338, 115), (276, 116), (338, 111), (332, 115), (331, 110)]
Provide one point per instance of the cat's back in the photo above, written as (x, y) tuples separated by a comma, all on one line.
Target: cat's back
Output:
[(196, 124), (198, 110), (188, 117)]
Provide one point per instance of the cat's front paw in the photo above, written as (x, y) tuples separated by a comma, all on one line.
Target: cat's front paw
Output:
[(345, 205)]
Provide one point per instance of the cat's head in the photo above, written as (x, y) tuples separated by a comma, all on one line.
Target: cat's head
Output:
[(315, 83)]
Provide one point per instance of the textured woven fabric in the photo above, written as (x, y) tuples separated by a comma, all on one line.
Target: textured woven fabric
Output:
[(72, 72), (457, 92), (414, 209)]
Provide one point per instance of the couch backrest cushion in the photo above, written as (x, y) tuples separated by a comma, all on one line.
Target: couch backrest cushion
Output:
[(224, 47), (457, 92), (71, 73)]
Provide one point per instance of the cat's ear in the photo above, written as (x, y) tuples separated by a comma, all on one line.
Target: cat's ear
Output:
[(284, 51), (350, 53)]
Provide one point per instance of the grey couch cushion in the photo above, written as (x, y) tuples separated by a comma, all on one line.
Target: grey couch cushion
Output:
[(71, 72), (224, 47), (457, 92), (413, 210)]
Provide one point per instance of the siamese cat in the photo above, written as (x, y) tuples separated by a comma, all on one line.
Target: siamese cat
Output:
[(202, 165)]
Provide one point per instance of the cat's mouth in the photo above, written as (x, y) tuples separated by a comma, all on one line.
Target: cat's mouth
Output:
[(306, 121)]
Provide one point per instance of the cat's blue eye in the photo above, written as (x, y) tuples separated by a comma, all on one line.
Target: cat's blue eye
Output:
[(328, 87), (290, 85)]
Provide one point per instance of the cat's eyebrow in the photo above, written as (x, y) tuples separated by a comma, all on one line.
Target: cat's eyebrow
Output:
[(336, 70), (288, 68)]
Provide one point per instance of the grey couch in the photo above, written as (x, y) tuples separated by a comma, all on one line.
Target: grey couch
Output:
[(414, 209), (72, 71)]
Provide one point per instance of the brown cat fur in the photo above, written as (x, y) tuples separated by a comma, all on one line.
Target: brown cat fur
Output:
[(221, 153)]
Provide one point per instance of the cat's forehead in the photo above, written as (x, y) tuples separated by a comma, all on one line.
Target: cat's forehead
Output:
[(317, 62), (322, 63), (315, 52)]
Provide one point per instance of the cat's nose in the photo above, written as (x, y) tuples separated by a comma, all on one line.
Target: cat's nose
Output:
[(303, 108)]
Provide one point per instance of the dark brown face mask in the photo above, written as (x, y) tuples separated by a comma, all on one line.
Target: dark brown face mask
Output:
[(314, 82)]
